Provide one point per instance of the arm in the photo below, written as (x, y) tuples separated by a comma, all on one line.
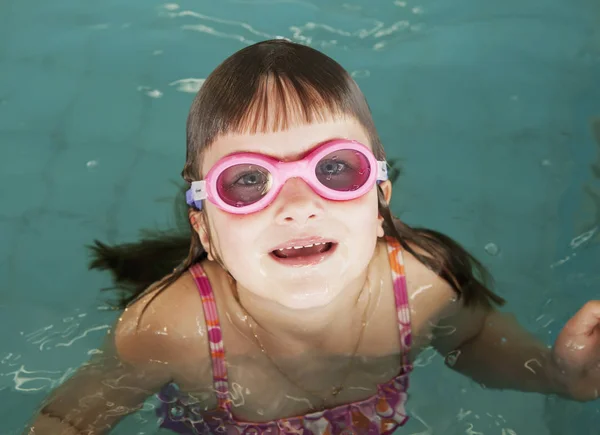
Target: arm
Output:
[(493, 349), (135, 362), (99, 394), (497, 352), (484, 344)]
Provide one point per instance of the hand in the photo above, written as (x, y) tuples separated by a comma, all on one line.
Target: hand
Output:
[(576, 354)]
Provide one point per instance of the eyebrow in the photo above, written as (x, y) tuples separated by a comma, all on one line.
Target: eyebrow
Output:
[(304, 153)]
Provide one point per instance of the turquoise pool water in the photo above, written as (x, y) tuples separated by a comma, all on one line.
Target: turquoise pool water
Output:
[(493, 108)]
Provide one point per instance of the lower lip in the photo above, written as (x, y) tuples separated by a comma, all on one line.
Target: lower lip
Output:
[(311, 260)]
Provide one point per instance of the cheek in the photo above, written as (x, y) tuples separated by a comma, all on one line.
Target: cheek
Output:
[(360, 214), (235, 235)]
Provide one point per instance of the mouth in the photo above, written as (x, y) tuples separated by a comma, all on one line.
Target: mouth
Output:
[(303, 252)]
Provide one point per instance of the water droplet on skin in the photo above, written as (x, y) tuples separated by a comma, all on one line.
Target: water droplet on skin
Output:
[(492, 249), (574, 346)]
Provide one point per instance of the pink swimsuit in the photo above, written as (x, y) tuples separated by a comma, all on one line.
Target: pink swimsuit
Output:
[(379, 414)]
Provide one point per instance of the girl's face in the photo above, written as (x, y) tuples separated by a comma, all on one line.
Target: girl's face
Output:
[(248, 244)]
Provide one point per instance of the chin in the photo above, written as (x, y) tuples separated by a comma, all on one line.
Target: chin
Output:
[(306, 297)]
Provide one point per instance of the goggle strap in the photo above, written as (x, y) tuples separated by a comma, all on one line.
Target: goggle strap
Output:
[(196, 193), (382, 173)]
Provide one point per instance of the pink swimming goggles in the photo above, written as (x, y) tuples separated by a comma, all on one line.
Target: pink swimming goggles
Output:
[(244, 183)]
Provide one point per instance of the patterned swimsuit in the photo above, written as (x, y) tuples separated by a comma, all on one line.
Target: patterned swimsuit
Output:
[(379, 414)]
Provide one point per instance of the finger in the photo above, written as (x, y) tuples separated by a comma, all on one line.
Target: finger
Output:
[(585, 321)]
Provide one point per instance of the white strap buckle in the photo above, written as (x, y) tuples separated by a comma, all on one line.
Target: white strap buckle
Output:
[(198, 189), (382, 173)]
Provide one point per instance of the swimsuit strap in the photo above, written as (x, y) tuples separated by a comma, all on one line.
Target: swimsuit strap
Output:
[(396, 259), (215, 338)]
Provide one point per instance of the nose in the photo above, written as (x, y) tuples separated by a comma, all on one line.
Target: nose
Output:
[(297, 204)]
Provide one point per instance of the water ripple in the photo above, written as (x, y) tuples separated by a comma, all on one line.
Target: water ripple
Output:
[(51, 337), (211, 31), (188, 85), (82, 335), (22, 379), (310, 33), (21, 370), (274, 2)]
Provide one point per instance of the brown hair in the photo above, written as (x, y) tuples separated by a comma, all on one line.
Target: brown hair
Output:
[(267, 87)]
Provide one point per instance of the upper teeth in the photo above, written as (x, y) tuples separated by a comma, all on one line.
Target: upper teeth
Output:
[(305, 246)]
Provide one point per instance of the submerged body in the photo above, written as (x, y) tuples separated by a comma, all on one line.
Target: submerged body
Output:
[(297, 392)]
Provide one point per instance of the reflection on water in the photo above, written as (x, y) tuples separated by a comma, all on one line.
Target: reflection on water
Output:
[(25, 373), (312, 33)]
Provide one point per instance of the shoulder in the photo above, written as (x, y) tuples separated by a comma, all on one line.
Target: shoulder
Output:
[(434, 305), (157, 325), (430, 296), (419, 277)]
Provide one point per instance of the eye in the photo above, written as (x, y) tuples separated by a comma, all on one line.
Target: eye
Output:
[(251, 179), (332, 167)]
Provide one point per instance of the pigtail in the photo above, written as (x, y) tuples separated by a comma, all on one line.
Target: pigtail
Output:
[(157, 260)]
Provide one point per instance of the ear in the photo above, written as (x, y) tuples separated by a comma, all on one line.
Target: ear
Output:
[(197, 219), (386, 188)]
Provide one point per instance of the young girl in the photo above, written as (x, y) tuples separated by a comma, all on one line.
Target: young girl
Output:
[(302, 301)]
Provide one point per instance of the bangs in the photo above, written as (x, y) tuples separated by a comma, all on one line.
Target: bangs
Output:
[(280, 103)]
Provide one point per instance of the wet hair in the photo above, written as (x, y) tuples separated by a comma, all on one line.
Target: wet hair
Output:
[(265, 87)]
